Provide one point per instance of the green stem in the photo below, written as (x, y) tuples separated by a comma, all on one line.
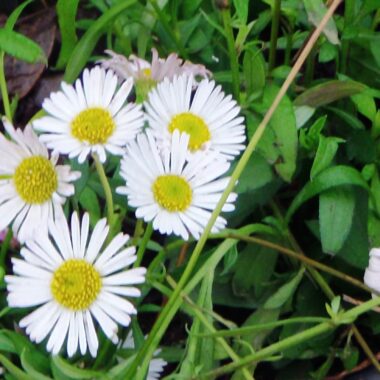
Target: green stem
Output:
[(306, 260), (168, 312), (4, 90), (5, 247), (203, 319), (6, 176), (265, 326), (326, 289), (169, 29), (234, 63), (293, 340), (276, 11), (106, 187), (143, 244), (310, 66), (349, 15)]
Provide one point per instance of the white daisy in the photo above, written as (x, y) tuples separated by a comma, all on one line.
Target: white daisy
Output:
[(33, 187), (208, 116), (74, 280), (176, 192), (157, 70), (372, 273), (90, 117), (156, 365)]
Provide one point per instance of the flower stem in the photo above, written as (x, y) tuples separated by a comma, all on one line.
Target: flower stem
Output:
[(306, 260), (106, 187), (143, 244), (4, 90), (349, 15), (234, 63), (276, 11), (172, 305), (5, 246)]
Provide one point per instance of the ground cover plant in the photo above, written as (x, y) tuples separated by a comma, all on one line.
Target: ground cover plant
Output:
[(189, 189)]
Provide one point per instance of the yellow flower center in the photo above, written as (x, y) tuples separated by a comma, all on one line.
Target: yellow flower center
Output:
[(76, 284), (172, 192), (93, 125), (147, 72), (35, 180), (194, 126)]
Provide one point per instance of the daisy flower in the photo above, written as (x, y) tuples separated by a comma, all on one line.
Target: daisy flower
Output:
[(90, 117), (156, 365), (372, 273), (157, 70), (73, 279), (175, 192), (33, 187), (208, 116)]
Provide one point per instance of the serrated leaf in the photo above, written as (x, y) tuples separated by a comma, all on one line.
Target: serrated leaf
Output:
[(328, 179), (286, 291), (325, 154), (316, 10), (336, 209), (20, 47), (328, 92), (66, 12)]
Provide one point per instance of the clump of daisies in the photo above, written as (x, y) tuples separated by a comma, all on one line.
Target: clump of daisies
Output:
[(175, 149)]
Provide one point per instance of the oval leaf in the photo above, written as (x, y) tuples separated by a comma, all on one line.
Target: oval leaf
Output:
[(328, 92), (336, 210), (21, 47), (328, 179)]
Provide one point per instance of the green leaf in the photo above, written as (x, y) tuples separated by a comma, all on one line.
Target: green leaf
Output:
[(356, 247), (316, 10), (12, 369), (328, 92), (254, 70), (286, 291), (87, 43), (327, 52), (89, 201), (253, 269), (66, 12), (28, 365), (365, 104), (20, 47), (14, 16), (328, 179), (327, 149), (279, 143), (69, 370), (336, 209), (256, 174), (241, 7)]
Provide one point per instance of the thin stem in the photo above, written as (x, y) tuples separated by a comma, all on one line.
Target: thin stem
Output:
[(234, 63), (203, 319), (169, 29), (264, 326), (306, 260), (143, 244), (172, 306), (276, 11), (349, 15), (5, 246), (139, 230), (106, 188), (292, 340), (4, 90), (327, 290)]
